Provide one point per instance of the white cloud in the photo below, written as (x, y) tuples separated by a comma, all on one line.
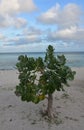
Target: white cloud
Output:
[(72, 34), (32, 30), (1, 36), (51, 16), (16, 22), (8, 7), (28, 36), (20, 22), (21, 41), (26, 6), (16, 6), (63, 17), (67, 20), (9, 11), (64, 33)]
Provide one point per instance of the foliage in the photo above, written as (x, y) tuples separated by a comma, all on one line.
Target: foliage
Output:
[(53, 73)]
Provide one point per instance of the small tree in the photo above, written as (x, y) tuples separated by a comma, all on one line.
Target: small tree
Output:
[(53, 75)]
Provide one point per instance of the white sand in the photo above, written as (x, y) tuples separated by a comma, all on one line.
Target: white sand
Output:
[(18, 115)]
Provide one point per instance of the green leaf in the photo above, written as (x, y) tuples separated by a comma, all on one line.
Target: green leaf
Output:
[(54, 74)]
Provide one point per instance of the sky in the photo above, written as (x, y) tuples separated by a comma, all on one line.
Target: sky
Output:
[(32, 25)]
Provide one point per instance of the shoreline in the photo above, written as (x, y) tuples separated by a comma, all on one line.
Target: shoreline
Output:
[(14, 68), (18, 115)]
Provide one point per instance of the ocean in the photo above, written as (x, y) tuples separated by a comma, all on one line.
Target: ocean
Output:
[(8, 60)]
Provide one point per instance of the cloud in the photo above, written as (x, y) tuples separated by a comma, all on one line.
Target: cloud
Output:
[(2, 37), (65, 32), (32, 30), (22, 41), (27, 6), (10, 10), (63, 17), (16, 6), (20, 22), (67, 21), (72, 34), (28, 36)]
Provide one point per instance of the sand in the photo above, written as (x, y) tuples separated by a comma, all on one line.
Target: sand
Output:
[(18, 115)]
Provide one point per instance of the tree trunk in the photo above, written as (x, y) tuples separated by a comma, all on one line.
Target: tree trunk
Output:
[(50, 103)]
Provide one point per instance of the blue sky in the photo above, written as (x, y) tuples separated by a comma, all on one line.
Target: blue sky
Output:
[(32, 25)]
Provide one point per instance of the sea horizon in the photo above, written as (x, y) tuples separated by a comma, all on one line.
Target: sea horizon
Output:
[(8, 60), (41, 52)]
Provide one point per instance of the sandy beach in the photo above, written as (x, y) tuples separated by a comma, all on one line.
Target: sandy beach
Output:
[(18, 115)]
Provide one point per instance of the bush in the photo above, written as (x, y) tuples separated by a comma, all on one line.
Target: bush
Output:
[(53, 73)]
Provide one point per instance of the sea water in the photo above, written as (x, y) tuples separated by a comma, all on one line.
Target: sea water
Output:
[(8, 60)]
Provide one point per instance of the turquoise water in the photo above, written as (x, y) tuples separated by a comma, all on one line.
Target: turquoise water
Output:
[(9, 60)]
